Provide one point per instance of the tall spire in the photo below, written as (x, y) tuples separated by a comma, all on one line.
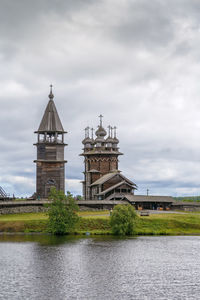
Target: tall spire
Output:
[(51, 95), (50, 121)]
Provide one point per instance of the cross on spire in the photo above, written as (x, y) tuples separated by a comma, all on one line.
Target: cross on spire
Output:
[(101, 120), (92, 130), (51, 96), (86, 132)]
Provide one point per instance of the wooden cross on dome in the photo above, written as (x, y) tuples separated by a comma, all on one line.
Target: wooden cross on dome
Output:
[(101, 120), (92, 130), (87, 132)]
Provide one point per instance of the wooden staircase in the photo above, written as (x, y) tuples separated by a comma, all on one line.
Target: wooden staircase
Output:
[(3, 194)]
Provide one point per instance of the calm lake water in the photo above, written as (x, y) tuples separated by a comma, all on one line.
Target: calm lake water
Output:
[(45, 267)]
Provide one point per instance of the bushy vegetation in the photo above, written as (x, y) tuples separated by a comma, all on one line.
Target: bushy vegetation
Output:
[(187, 199), (122, 219), (62, 212), (155, 224)]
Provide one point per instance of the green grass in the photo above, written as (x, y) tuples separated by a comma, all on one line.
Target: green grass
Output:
[(94, 214), (155, 224), (23, 217), (172, 224)]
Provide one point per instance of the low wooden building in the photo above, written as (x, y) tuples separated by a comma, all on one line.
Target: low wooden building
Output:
[(186, 206), (150, 202)]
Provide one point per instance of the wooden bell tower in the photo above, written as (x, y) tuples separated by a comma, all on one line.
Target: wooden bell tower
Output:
[(50, 163)]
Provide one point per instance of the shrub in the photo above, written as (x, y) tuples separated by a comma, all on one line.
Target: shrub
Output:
[(62, 212), (122, 219)]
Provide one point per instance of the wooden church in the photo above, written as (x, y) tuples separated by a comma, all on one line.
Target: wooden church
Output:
[(102, 178), (103, 184)]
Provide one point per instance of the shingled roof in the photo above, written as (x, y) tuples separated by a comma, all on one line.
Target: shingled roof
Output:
[(144, 198), (110, 175), (50, 121), (114, 187)]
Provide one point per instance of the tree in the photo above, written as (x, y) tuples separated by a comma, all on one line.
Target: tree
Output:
[(62, 212), (122, 219), (79, 197)]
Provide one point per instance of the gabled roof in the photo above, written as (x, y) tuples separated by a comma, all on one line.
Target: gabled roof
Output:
[(114, 187), (104, 178), (108, 176), (100, 202), (50, 121)]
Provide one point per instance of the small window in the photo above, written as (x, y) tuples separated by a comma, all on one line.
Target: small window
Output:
[(51, 181)]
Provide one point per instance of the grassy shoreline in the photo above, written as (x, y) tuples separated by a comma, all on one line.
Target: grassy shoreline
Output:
[(97, 223)]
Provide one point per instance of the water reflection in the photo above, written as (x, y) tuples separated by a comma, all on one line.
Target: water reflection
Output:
[(42, 239), (48, 239), (48, 267)]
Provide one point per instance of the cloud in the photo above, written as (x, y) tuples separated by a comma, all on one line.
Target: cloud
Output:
[(136, 62), (74, 186)]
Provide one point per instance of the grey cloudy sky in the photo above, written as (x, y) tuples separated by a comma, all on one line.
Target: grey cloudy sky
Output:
[(137, 62)]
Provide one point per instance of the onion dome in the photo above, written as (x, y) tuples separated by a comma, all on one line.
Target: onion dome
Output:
[(101, 132), (100, 135), (109, 141), (115, 142), (87, 142), (115, 139), (99, 139)]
